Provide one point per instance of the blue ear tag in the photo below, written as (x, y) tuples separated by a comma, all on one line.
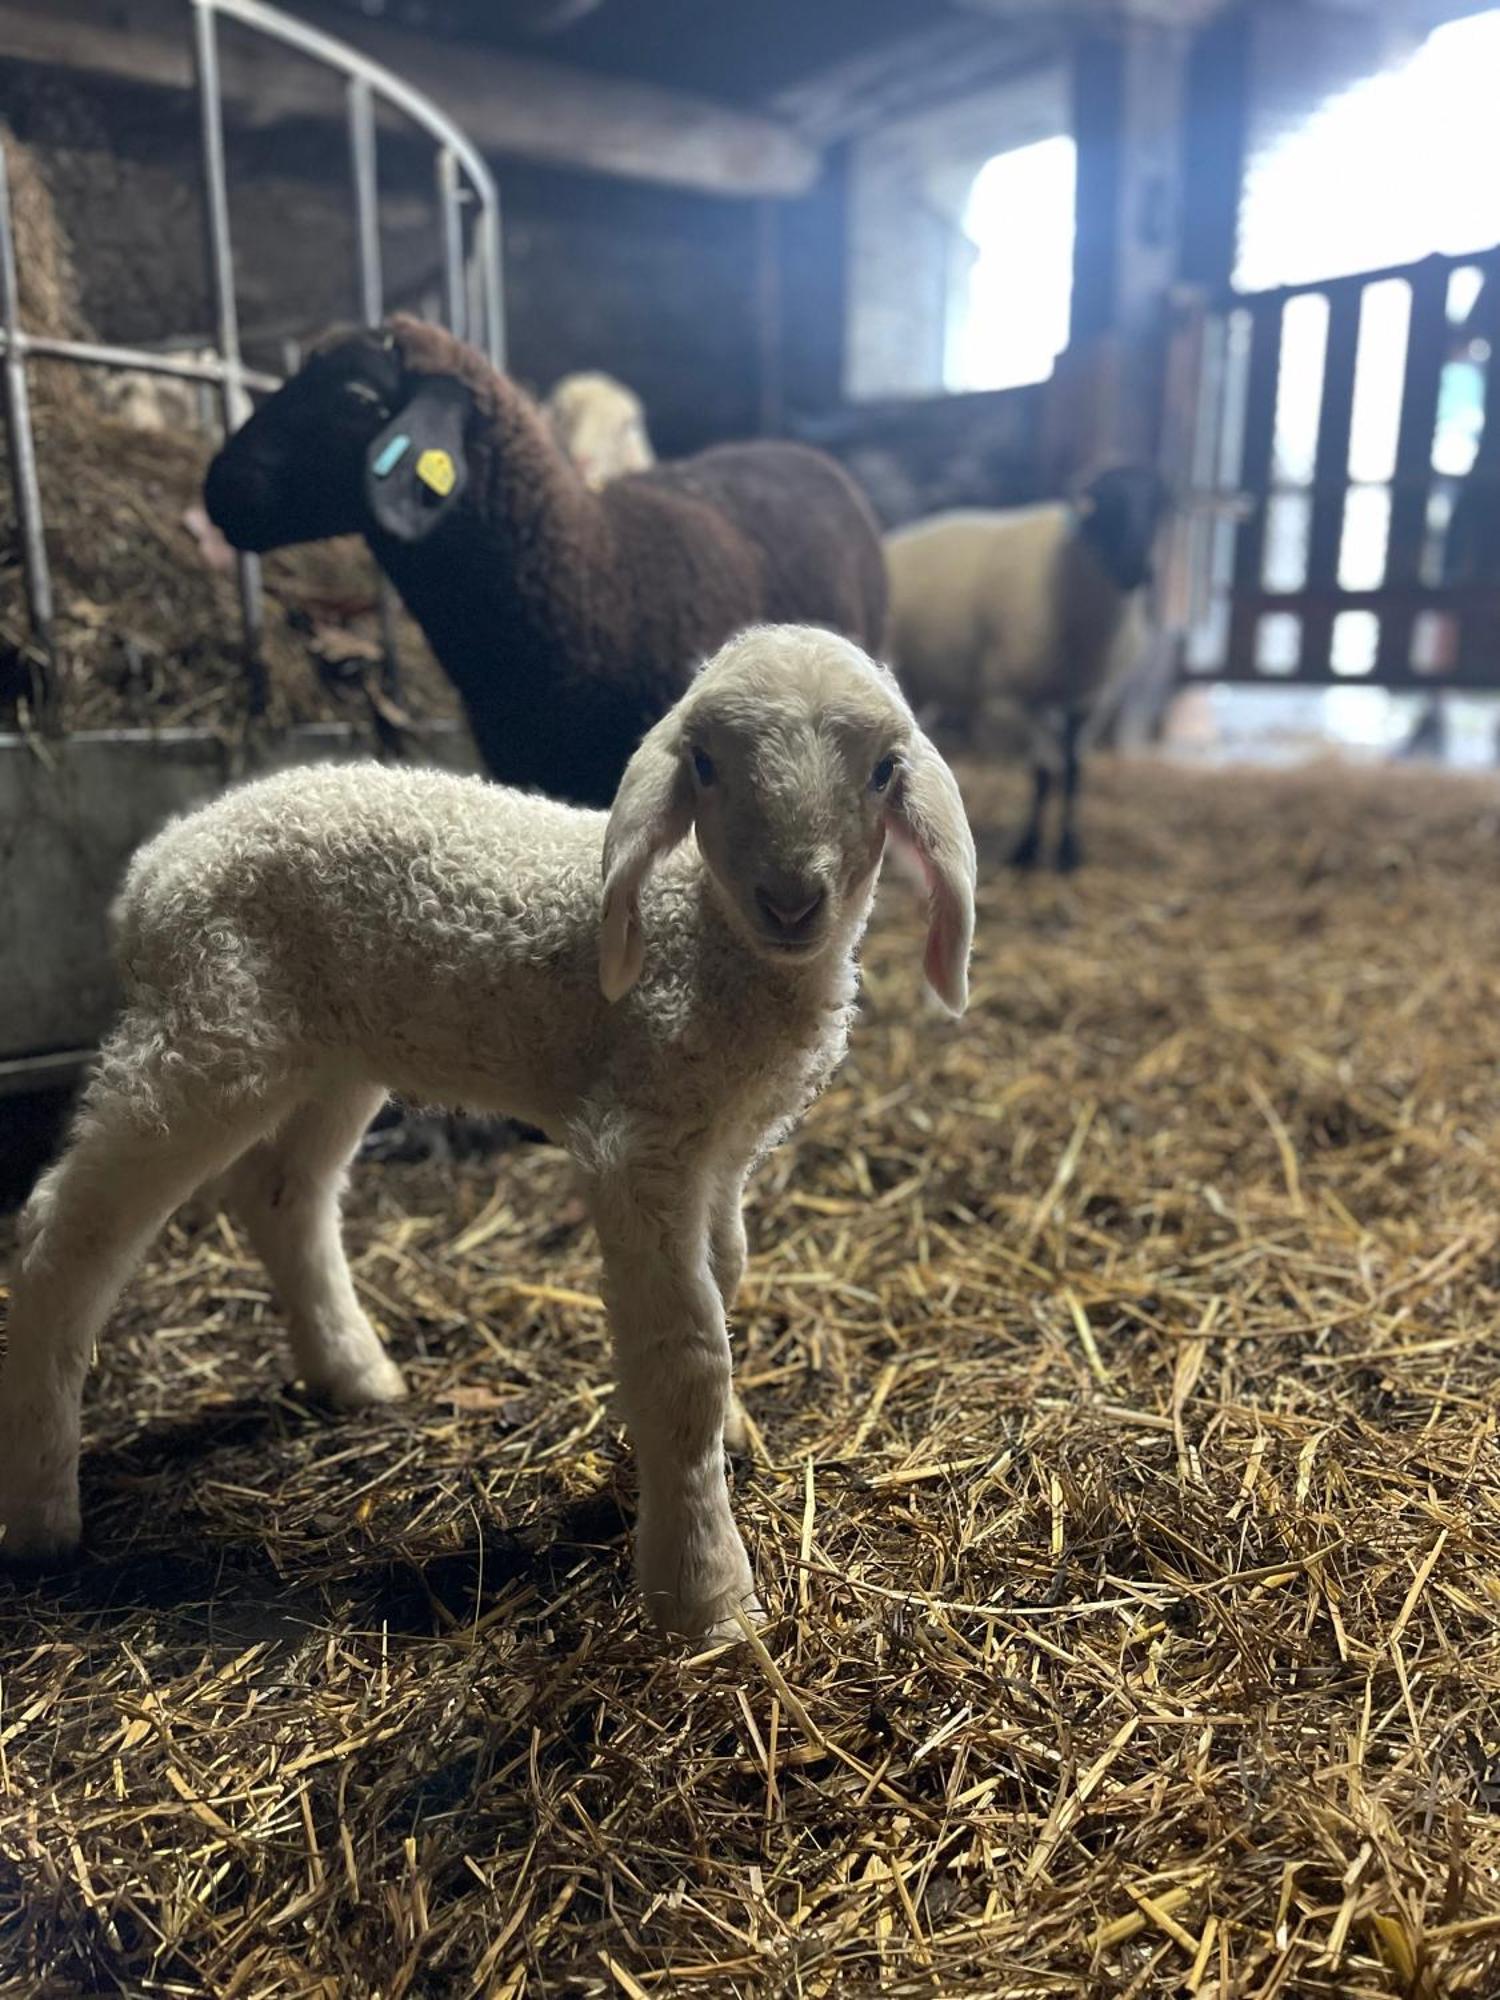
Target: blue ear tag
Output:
[(391, 455)]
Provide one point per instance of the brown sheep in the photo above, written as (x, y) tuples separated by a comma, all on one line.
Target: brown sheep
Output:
[(569, 621)]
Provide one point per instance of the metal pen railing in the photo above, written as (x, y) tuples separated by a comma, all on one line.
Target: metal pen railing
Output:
[(472, 289), (1308, 553)]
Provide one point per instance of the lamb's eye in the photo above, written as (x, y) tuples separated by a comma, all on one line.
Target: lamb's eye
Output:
[(882, 774), (703, 767)]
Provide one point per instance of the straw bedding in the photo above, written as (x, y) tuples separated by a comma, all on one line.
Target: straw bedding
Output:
[(1127, 1506)]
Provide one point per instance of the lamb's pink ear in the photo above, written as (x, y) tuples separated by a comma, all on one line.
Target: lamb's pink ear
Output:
[(928, 821), (653, 810)]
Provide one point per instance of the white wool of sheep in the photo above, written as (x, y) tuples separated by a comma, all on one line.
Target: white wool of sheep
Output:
[(1000, 617), (300, 946), (601, 426)]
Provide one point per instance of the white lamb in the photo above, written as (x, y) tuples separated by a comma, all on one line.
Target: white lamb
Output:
[(300, 946), (601, 425), (1028, 618)]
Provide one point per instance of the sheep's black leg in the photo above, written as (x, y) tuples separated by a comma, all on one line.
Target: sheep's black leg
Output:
[(1069, 853), (1026, 850)]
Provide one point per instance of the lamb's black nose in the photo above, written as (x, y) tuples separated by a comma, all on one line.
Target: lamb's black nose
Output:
[(790, 913)]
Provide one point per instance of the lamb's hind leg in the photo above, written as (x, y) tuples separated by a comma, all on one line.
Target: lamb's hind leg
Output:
[(84, 1230), (286, 1191)]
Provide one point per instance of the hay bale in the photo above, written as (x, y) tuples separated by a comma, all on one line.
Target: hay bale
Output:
[(147, 627), (50, 297)]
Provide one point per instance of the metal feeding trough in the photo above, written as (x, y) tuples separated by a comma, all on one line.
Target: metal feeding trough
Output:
[(73, 808), (72, 812)]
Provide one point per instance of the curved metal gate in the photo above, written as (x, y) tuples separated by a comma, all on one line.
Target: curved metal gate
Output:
[(1339, 444), (468, 203)]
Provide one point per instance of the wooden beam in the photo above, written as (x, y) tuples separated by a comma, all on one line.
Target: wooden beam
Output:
[(523, 107)]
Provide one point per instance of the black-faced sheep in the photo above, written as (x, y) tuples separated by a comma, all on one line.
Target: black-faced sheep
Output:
[(601, 425), (569, 621), (1033, 615), (298, 946)]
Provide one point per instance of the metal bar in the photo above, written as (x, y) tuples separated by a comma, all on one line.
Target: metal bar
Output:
[(352, 62), (1255, 472), (491, 277), (451, 217), (232, 397), (1331, 467), (1479, 627), (1409, 596), (1426, 336), (20, 1075), (1476, 674), (141, 360), (23, 469), (1355, 281), (363, 168), (491, 272), (366, 200)]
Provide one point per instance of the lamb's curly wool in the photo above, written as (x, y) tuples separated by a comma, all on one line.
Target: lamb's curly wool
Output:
[(568, 620), (301, 945)]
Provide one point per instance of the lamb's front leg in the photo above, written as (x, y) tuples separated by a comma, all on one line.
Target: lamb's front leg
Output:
[(672, 1358), (726, 1251)]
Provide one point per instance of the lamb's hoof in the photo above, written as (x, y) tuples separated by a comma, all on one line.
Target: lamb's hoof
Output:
[(1026, 851), (40, 1534), (729, 1631), (737, 1429), (713, 1624), (378, 1381), (1069, 854)]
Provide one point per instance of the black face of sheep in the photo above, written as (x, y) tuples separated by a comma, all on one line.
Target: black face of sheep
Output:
[(1121, 513), (295, 472)]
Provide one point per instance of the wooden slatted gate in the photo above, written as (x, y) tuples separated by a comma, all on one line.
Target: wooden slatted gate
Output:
[(1337, 447)]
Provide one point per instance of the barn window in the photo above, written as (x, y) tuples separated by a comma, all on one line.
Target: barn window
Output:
[(1011, 296), (1387, 171)]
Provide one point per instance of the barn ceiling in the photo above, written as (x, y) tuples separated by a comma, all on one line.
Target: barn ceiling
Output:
[(739, 55)]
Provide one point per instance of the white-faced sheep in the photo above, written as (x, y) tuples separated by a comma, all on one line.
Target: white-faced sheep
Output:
[(299, 946), (569, 621), (1034, 615), (601, 425)]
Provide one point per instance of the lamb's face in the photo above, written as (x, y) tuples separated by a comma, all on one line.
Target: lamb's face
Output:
[(295, 471), (794, 750), (795, 757)]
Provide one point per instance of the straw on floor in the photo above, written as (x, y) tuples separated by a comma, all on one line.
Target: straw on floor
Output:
[(1126, 1504)]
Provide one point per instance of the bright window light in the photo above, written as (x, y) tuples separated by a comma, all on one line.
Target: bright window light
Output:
[(1401, 165), (1008, 315)]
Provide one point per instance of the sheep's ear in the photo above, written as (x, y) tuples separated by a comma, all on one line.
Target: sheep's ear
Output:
[(653, 810), (927, 820), (416, 468)]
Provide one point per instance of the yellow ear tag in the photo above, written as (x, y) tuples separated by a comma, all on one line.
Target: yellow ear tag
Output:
[(437, 472)]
